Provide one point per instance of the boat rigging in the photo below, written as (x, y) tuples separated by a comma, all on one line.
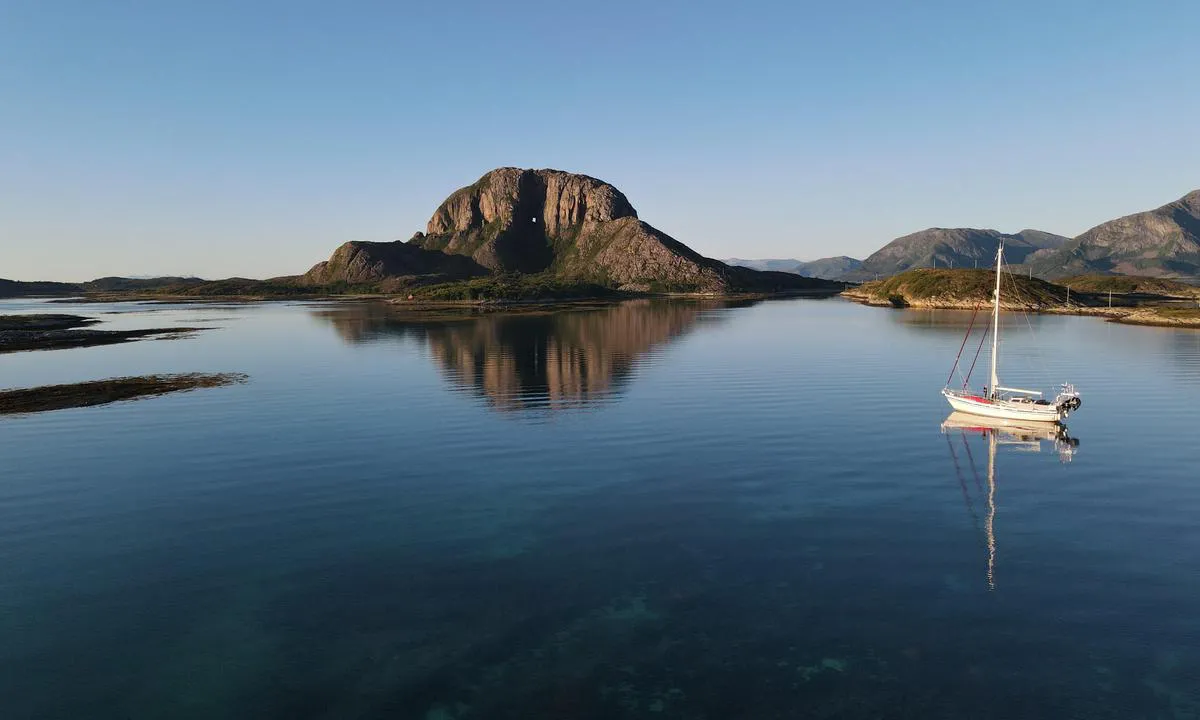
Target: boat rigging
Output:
[(996, 400)]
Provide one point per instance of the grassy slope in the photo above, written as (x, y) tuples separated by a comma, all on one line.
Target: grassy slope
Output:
[(1177, 313), (1129, 284), (543, 286), (961, 287)]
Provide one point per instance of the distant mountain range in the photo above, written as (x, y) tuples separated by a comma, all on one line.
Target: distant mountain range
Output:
[(832, 268), (953, 247), (932, 248), (1164, 242)]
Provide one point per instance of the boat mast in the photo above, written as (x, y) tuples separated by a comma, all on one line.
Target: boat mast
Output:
[(996, 323)]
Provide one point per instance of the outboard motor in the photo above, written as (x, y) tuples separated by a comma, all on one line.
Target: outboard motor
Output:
[(1068, 399)]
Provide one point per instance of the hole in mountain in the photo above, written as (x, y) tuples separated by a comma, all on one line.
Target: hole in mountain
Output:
[(524, 247)]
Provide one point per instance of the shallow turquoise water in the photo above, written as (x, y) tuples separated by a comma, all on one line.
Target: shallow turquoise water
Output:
[(660, 509)]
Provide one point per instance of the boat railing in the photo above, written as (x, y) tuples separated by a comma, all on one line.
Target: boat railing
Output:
[(1018, 391)]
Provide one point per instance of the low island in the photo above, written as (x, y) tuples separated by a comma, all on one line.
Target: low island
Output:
[(55, 332), (1124, 299), (103, 392)]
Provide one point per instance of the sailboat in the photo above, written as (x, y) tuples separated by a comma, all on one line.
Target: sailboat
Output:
[(997, 401), (1027, 436)]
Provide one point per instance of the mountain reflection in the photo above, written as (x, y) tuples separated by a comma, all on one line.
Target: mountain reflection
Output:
[(955, 322), (537, 359)]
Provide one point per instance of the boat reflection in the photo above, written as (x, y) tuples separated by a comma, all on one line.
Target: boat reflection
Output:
[(534, 359), (998, 433)]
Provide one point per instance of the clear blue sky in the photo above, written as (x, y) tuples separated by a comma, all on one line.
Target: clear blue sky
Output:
[(251, 138)]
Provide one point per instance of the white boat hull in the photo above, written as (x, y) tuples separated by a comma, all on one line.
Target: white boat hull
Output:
[(1005, 409)]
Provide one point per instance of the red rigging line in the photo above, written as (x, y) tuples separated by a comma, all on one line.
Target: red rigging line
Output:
[(964, 344), (987, 329)]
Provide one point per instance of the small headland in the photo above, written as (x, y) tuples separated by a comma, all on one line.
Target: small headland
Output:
[(102, 392), (56, 332), (961, 289), (1125, 299), (1161, 315)]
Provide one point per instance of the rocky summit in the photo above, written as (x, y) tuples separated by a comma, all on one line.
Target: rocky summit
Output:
[(1164, 242), (571, 227)]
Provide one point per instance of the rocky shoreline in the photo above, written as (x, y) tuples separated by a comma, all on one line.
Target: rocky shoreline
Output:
[(1161, 312), (1146, 301), (1159, 316)]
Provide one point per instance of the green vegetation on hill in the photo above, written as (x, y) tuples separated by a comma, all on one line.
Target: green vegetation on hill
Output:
[(234, 287), (1138, 301), (1178, 313), (512, 287), (19, 288), (1129, 284), (962, 287), (124, 284)]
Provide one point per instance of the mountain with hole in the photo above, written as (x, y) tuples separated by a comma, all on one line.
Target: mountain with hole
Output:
[(550, 227)]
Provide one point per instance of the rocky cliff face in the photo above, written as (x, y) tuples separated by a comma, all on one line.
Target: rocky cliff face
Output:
[(504, 220), (578, 227), (510, 219), (571, 226), (1164, 242)]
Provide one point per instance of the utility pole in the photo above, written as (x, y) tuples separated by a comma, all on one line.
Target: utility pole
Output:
[(1068, 296), (1110, 298)]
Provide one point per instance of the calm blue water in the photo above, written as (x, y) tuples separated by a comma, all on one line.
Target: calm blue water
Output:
[(655, 510)]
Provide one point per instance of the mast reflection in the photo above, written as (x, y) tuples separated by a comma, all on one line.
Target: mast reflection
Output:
[(998, 433)]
